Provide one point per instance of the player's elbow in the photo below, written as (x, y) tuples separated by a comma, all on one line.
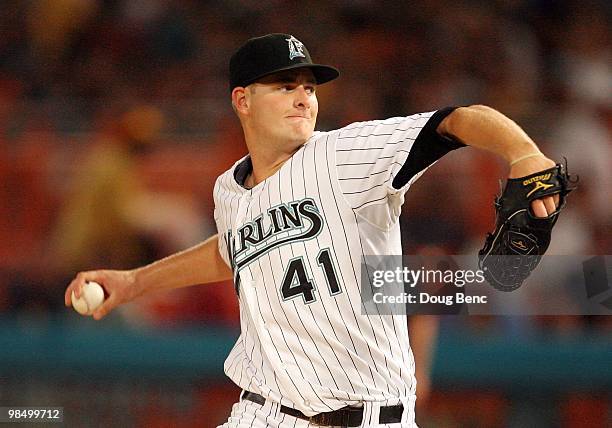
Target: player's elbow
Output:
[(462, 115), (463, 118), (480, 108)]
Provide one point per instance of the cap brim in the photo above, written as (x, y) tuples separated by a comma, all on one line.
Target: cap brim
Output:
[(322, 73)]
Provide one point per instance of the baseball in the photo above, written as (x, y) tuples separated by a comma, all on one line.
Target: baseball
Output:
[(92, 296)]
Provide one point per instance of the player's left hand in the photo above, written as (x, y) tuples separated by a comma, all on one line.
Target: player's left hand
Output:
[(540, 207)]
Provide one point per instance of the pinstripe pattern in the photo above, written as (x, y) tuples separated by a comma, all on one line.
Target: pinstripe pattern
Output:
[(335, 195)]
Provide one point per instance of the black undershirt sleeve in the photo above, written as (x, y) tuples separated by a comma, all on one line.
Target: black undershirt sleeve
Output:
[(427, 148)]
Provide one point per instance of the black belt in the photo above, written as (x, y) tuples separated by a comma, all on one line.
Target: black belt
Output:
[(344, 417)]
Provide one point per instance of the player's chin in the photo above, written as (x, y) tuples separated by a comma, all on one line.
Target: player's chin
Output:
[(302, 132)]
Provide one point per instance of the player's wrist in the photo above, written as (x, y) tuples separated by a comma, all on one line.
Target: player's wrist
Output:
[(521, 150), (518, 159), (136, 281)]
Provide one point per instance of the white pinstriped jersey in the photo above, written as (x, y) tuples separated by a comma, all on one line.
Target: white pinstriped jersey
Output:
[(295, 242)]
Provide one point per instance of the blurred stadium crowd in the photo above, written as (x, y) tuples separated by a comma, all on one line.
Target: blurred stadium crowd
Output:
[(115, 121)]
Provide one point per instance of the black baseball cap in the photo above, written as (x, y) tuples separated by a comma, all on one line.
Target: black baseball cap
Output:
[(261, 56)]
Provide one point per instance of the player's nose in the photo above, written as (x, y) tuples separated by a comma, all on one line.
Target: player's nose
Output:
[(302, 97)]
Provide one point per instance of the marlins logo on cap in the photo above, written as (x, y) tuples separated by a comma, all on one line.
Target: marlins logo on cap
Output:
[(295, 48)]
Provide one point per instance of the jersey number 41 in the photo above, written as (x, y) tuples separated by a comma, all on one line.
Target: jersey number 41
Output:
[(297, 282)]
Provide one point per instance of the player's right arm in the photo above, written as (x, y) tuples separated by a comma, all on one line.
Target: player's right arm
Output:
[(197, 265)]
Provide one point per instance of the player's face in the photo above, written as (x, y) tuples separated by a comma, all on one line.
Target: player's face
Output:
[(284, 106)]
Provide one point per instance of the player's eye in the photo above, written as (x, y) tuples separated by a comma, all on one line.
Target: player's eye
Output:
[(310, 89)]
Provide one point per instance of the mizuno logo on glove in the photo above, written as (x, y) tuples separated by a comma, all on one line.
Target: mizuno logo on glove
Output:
[(539, 186), (536, 178), (519, 244)]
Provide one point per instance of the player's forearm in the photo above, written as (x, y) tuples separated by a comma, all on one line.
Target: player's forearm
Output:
[(486, 128), (197, 265)]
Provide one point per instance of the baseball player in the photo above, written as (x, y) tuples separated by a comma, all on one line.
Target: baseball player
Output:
[(295, 217)]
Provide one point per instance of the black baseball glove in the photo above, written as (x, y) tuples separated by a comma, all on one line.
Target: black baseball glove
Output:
[(516, 245)]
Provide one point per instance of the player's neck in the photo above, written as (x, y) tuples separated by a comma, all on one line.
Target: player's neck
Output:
[(266, 162)]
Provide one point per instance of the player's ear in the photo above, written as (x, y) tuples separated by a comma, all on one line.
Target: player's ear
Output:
[(240, 99)]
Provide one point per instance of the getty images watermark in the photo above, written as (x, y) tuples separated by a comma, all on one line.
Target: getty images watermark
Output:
[(437, 285)]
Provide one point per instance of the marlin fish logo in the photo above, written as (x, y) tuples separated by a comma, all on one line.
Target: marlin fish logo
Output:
[(296, 48)]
